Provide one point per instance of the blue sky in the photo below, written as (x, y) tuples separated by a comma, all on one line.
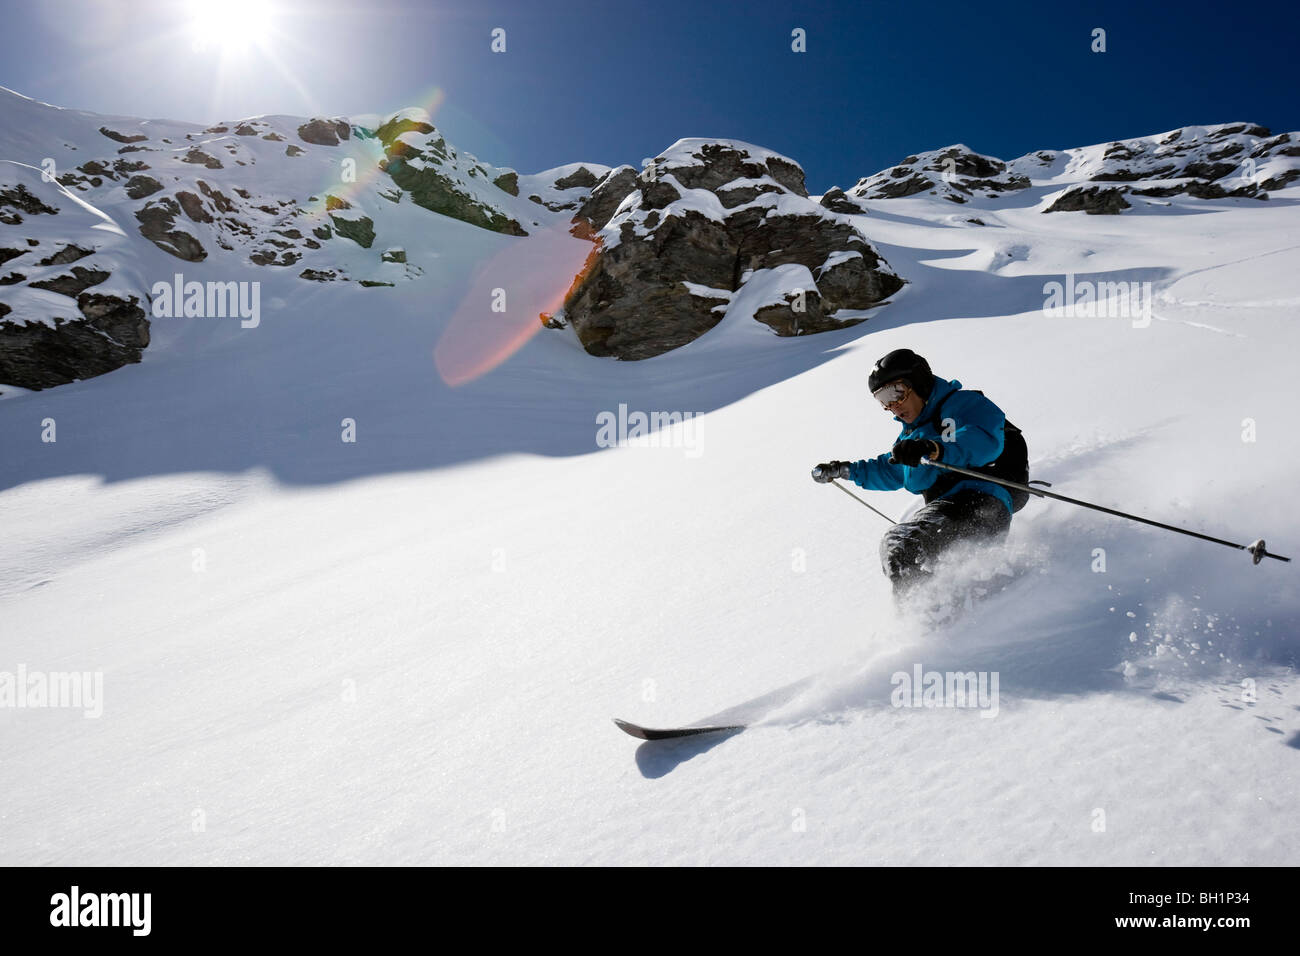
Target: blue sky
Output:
[(615, 81)]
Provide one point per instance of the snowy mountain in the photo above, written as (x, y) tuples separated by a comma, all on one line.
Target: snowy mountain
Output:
[(330, 200), (1206, 162), (364, 580)]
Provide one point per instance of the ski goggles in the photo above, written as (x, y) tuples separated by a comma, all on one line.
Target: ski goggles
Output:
[(890, 394)]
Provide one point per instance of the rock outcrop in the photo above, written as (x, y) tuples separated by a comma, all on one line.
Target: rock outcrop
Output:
[(1229, 161), (955, 173), (704, 223), (1225, 161), (1094, 200), (325, 132), (60, 324), (15, 200), (157, 221), (566, 188), (111, 332), (421, 162)]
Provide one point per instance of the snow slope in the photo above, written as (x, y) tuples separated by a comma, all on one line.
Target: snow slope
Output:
[(406, 649)]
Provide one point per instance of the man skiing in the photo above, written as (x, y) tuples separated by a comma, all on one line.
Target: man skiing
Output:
[(941, 422)]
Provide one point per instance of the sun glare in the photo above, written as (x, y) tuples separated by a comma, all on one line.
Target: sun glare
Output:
[(230, 26)]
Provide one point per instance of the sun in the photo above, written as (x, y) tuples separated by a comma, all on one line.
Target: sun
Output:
[(230, 26)]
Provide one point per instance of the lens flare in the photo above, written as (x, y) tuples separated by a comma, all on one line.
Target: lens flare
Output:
[(508, 300)]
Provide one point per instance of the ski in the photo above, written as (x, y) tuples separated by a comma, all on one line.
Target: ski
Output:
[(652, 733)]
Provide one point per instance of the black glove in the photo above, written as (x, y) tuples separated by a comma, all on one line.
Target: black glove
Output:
[(831, 469), (910, 451)]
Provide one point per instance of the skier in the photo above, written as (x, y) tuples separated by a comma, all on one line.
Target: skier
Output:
[(946, 423)]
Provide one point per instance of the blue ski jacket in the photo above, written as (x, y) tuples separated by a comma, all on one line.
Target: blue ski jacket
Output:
[(976, 440)]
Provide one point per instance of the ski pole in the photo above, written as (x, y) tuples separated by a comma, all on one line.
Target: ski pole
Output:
[(861, 502), (1255, 548), (817, 471)]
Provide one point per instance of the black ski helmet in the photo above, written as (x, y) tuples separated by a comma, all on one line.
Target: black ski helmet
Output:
[(906, 365)]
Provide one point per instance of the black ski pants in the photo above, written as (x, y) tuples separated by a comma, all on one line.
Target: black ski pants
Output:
[(909, 546)]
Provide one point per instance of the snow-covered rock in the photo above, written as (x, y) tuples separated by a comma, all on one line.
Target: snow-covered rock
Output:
[(955, 173), (713, 214), (61, 318), (1229, 160), (437, 177)]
